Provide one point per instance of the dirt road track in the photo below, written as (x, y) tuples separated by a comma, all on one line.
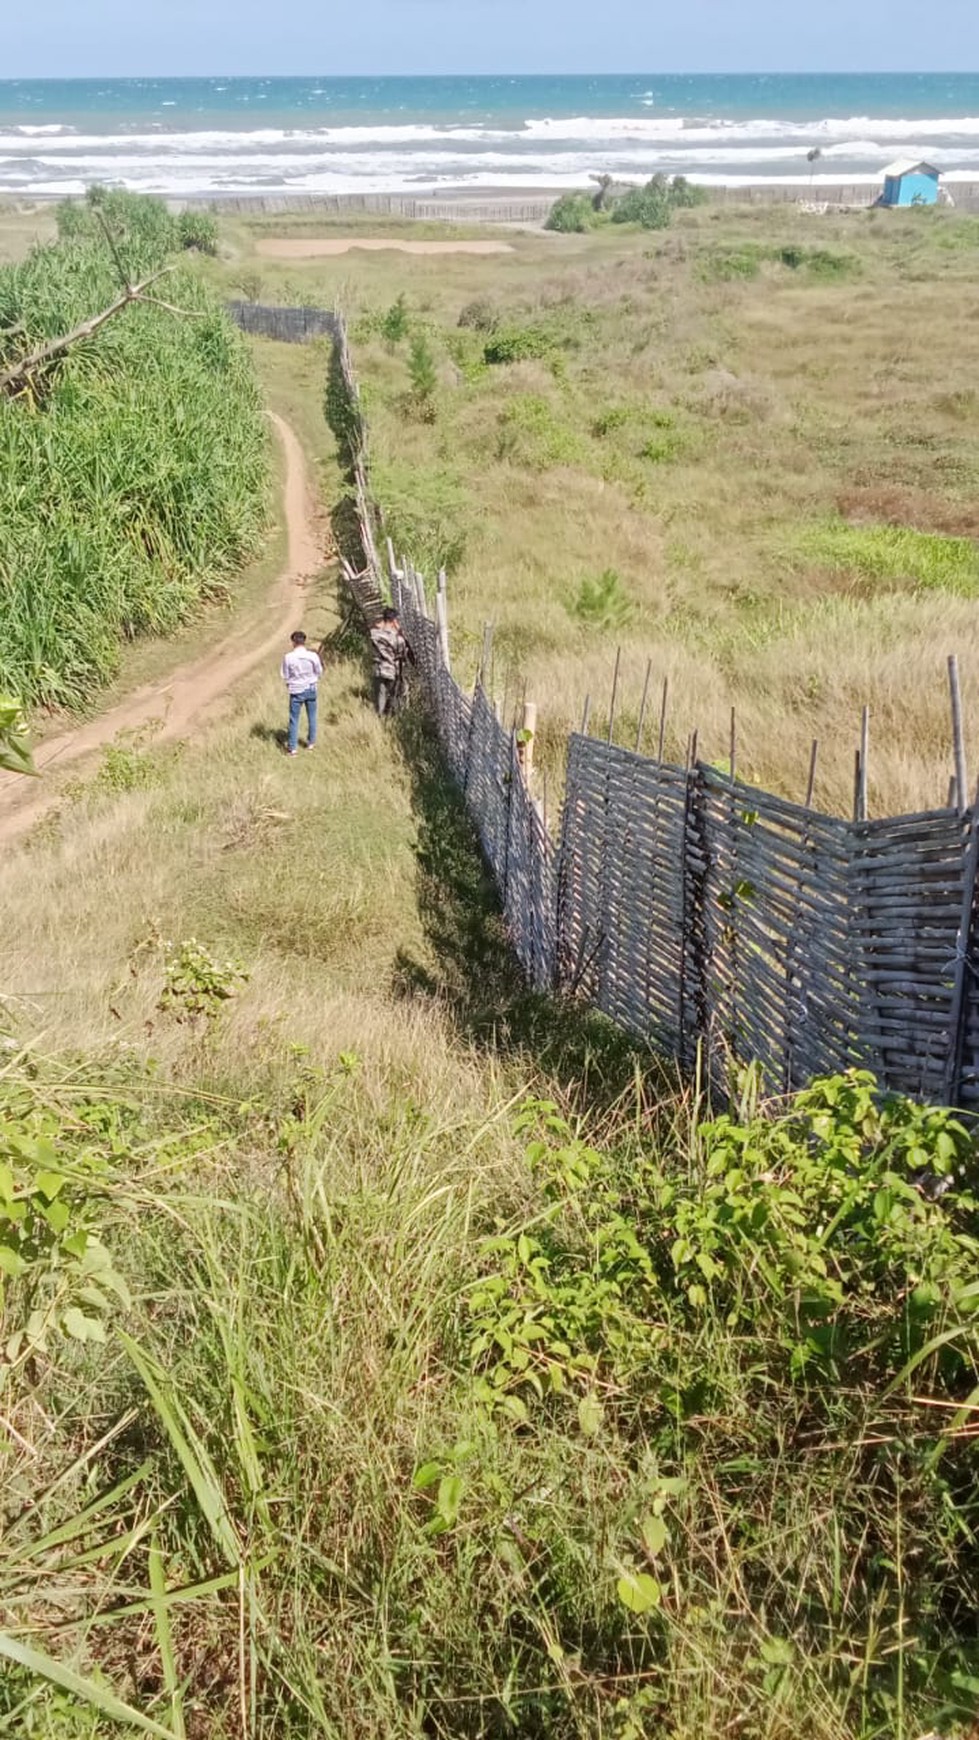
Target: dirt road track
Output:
[(191, 693)]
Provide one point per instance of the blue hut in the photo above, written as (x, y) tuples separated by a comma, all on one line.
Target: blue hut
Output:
[(909, 183)]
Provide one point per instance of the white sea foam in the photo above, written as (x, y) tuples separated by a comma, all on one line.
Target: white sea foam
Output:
[(57, 159)]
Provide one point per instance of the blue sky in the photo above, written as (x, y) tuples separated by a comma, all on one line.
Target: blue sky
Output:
[(88, 38)]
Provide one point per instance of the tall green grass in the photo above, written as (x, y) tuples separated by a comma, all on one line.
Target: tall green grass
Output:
[(660, 1429), (133, 472), (895, 556)]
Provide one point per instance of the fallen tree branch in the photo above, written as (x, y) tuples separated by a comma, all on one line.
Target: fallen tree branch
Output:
[(14, 379)]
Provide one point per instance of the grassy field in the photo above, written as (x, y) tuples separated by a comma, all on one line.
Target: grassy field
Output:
[(395, 1354), (745, 450)]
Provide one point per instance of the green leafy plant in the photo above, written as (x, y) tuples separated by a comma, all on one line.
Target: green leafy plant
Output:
[(514, 344), (197, 983), (57, 1279), (602, 601), (15, 755), (395, 324), (424, 377)]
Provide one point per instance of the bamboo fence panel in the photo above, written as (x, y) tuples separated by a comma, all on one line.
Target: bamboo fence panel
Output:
[(288, 325), (706, 916)]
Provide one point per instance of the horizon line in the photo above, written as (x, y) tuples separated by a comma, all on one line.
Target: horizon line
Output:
[(552, 72)]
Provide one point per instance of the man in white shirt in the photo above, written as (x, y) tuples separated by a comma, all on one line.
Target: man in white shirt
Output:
[(301, 672)]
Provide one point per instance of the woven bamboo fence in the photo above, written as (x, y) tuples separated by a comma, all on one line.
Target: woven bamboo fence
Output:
[(288, 325), (714, 920)]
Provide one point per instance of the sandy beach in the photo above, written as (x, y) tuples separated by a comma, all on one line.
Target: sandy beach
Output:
[(318, 247)]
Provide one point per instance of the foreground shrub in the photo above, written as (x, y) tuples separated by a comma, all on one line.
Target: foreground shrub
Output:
[(668, 1435)]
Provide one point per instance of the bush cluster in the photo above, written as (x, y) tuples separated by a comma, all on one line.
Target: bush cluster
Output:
[(651, 206), (134, 468)]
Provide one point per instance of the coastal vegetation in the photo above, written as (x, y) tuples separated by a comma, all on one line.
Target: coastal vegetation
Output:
[(387, 1351), (134, 459), (760, 419), (650, 206)]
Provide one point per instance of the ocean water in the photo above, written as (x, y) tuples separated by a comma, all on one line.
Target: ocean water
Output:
[(363, 135)]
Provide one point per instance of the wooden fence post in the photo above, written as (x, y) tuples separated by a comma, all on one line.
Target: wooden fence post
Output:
[(442, 619), (525, 740), (958, 741)]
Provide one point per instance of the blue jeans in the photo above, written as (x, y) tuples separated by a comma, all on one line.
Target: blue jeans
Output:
[(296, 705)]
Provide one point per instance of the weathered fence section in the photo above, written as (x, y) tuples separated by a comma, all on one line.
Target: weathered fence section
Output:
[(288, 325), (708, 917)]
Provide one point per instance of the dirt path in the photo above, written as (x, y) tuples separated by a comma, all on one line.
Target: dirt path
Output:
[(192, 692), (313, 247)]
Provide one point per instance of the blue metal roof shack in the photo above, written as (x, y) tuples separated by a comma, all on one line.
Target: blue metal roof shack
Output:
[(909, 182)]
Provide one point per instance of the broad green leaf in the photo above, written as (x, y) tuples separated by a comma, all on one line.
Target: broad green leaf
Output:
[(11, 1262), (57, 1214), (655, 1534), (82, 1328), (777, 1652), (6, 1183), (513, 1406), (50, 1184), (56, 1674), (591, 1416), (451, 1489), (426, 1475), (638, 1591)]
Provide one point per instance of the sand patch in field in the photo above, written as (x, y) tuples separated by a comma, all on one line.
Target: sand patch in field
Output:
[(317, 247)]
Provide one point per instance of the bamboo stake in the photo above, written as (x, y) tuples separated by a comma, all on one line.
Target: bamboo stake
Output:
[(856, 785), (615, 693), (642, 706), (585, 716), (734, 747), (392, 564), (525, 740), (813, 759), (442, 619), (662, 720), (953, 793), (486, 653), (864, 758), (958, 739)]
